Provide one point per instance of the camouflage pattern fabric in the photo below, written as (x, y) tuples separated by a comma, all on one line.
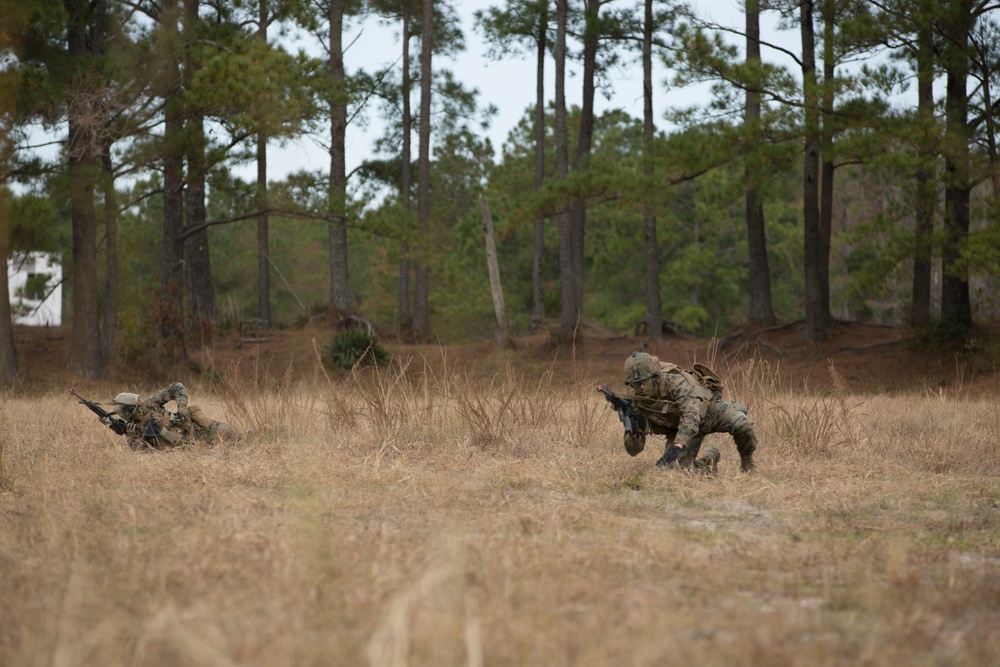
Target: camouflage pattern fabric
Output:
[(172, 428), (685, 412), (174, 392)]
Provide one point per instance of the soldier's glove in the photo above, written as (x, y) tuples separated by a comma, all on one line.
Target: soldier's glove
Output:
[(106, 421), (669, 456), (634, 443)]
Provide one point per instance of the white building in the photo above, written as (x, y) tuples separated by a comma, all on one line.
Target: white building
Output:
[(34, 280)]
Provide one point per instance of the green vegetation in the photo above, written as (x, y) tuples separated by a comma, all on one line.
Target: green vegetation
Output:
[(354, 347)]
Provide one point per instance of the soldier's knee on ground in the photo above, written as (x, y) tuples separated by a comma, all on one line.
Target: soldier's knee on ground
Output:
[(634, 443), (746, 445)]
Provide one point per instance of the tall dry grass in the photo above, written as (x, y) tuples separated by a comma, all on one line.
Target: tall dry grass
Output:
[(385, 518)]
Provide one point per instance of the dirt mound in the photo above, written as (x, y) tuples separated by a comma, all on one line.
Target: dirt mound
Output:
[(866, 357)]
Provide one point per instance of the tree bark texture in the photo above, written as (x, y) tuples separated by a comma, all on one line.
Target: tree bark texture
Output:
[(827, 166), (421, 315), (569, 310), (197, 263), (263, 242), (814, 319), (761, 308), (654, 305), (340, 296), (956, 303), (493, 269), (110, 351), (171, 306), (926, 197), (201, 295), (405, 308), (537, 293), (83, 148), (585, 141)]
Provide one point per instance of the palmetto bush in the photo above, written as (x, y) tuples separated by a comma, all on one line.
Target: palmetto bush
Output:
[(354, 347)]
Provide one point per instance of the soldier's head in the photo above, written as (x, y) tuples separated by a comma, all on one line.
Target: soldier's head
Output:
[(127, 403), (641, 372)]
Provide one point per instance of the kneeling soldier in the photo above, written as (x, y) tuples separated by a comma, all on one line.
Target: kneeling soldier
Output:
[(685, 406)]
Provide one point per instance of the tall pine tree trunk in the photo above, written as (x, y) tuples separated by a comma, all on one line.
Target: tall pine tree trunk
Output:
[(926, 197), (83, 149), (761, 309), (201, 296), (814, 321), (110, 257), (827, 167), (569, 310), (537, 294), (171, 309), (339, 289), (421, 315), (405, 310), (263, 243), (654, 306), (585, 141), (956, 303), (106, 178)]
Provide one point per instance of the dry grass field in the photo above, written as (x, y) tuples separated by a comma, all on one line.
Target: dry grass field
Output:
[(432, 514)]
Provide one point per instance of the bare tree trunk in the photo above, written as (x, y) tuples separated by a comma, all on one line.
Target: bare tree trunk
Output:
[(107, 183), (405, 312), (569, 311), (654, 306), (537, 294), (197, 259), (83, 149), (171, 313), (814, 320), (421, 316), (111, 258), (956, 302), (197, 262), (496, 288), (585, 141), (263, 243), (340, 296), (920, 310), (827, 168), (761, 309)]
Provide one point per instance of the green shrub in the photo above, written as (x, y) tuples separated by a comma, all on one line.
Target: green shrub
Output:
[(348, 348)]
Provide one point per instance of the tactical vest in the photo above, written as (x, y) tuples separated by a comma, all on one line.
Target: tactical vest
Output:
[(663, 415), (701, 377), (154, 425)]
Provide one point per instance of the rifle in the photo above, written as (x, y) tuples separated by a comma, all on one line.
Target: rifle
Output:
[(633, 421), (116, 425)]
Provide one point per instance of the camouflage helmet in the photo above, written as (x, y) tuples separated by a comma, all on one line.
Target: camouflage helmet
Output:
[(640, 367), (126, 398)]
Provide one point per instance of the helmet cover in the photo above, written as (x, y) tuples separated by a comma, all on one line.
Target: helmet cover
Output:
[(640, 366), (126, 398)]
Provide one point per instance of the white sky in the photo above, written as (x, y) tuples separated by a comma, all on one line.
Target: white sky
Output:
[(509, 85)]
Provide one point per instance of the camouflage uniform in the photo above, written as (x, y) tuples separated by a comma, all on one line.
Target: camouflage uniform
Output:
[(678, 404), (151, 426)]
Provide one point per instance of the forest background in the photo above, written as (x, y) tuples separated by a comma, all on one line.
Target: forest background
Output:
[(849, 172)]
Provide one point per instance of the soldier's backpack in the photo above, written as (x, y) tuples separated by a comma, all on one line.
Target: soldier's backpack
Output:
[(700, 376)]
